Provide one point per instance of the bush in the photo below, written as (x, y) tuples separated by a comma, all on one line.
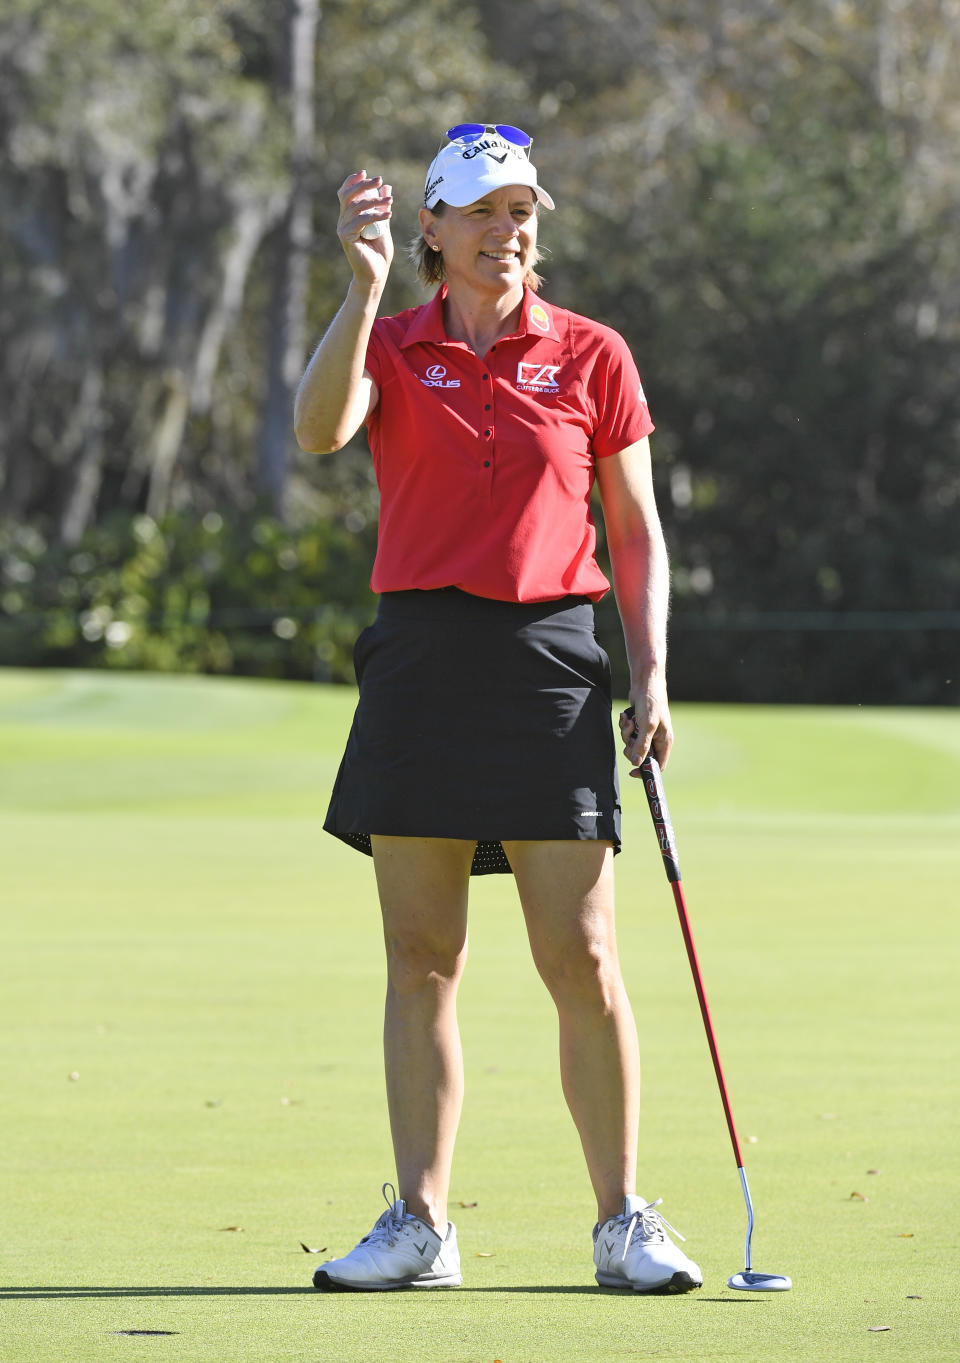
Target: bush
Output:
[(245, 596)]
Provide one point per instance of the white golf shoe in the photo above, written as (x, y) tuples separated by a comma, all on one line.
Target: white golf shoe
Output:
[(401, 1251), (634, 1250)]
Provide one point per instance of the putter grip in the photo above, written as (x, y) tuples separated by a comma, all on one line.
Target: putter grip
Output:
[(659, 813)]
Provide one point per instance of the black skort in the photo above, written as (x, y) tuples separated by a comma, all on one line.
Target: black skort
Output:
[(479, 719)]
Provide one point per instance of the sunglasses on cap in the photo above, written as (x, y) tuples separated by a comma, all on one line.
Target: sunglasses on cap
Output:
[(471, 132)]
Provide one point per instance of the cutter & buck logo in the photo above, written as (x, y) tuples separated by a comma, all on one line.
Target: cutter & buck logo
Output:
[(437, 378), (537, 378)]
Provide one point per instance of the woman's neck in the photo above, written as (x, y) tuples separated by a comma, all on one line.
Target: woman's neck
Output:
[(479, 320)]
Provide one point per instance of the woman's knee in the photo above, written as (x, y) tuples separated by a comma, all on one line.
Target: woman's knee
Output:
[(418, 960), (423, 883), (582, 973)]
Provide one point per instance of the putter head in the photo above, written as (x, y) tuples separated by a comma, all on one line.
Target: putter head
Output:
[(748, 1281)]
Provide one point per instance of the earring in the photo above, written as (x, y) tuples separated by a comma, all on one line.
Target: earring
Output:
[(434, 246)]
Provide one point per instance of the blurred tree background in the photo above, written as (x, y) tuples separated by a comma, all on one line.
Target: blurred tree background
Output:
[(764, 198)]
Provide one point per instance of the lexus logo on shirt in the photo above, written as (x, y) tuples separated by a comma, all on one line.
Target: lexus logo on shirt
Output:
[(537, 378), (437, 378)]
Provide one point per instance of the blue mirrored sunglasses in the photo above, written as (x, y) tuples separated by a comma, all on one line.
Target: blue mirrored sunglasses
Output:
[(470, 132)]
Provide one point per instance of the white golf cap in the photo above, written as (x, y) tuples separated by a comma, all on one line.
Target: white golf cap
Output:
[(467, 168)]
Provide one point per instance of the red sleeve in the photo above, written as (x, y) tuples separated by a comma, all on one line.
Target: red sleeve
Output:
[(622, 415), (374, 354)]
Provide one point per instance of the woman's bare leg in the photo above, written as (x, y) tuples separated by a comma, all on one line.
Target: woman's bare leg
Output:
[(566, 889), (422, 883)]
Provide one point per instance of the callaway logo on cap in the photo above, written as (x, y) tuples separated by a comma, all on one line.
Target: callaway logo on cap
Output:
[(481, 157)]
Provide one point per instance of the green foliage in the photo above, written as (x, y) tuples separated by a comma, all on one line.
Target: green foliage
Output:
[(188, 594)]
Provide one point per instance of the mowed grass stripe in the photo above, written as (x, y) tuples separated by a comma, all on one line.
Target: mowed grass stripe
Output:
[(181, 936)]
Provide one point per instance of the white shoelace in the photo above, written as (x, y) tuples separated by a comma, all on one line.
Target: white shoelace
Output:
[(390, 1224), (651, 1223)]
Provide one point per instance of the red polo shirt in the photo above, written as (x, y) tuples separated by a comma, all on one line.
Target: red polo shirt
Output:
[(485, 465)]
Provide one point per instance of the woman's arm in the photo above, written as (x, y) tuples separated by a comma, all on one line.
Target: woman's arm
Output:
[(641, 581), (336, 394)]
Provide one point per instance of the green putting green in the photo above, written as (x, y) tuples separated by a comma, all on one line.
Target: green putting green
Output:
[(191, 993)]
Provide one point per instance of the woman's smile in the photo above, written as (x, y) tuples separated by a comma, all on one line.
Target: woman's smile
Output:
[(501, 227)]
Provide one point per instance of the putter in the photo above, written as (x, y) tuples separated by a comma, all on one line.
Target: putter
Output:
[(749, 1280)]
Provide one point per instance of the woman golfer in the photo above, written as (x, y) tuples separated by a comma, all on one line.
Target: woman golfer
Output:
[(482, 740)]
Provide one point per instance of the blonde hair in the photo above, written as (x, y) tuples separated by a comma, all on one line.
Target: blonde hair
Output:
[(428, 263)]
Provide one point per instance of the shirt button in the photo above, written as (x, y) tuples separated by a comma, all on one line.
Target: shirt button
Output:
[(486, 407), (486, 376), (487, 434), (486, 463)]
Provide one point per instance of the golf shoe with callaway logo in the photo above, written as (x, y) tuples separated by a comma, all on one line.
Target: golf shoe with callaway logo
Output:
[(634, 1250), (401, 1251)]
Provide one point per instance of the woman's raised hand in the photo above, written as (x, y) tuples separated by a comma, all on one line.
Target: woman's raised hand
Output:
[(364, 200)]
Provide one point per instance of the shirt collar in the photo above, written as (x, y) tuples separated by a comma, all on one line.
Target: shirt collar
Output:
[(426, 325)]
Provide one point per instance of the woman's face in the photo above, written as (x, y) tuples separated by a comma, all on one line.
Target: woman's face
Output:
[(489, 244)]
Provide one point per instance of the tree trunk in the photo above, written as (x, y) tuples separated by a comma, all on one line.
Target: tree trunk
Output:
[(85, 433), (166, 442), (287, 338), (254, 218)]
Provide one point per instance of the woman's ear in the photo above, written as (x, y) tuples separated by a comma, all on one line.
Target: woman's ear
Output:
[(428, 228)]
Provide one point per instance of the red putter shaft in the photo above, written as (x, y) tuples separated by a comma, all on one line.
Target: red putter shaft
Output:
[(653, 785)]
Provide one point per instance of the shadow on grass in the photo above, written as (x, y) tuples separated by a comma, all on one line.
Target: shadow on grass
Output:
[(56, 1293), (614, 1292), (106, 1293)]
